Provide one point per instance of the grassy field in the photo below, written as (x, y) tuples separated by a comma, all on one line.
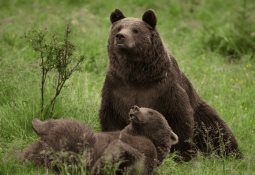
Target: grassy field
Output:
[(229, 86)]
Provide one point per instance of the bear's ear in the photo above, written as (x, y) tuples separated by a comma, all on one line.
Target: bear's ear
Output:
[(116, 15), (150, 18), (174, 138), (42, 127), (38, 127)]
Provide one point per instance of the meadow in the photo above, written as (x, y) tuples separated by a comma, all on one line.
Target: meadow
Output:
[(224, 81)]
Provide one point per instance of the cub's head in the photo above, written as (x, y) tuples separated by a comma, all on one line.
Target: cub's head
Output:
[(64, 134), (152, 124), (132, 35)]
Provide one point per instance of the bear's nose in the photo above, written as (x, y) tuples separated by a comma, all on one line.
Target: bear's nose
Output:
[(135, 108), (120, 36)]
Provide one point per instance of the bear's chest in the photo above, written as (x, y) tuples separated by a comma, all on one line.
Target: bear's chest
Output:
[(127, 96)]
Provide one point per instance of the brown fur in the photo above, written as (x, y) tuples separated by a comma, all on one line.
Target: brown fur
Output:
[(133, 145), (61, 136), (148, 130), (142, 72)]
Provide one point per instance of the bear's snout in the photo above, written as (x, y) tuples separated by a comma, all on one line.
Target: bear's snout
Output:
[(136, 108), (124, 39), (120, 37), (133, 112), (120, 40)]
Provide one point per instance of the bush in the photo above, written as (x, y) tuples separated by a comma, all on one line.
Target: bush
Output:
[(232, 39), (57, 62)]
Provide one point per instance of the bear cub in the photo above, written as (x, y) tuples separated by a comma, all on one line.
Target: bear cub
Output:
[(140, 147)]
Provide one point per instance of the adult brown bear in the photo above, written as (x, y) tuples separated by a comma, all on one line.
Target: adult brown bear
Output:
[(141, 71)]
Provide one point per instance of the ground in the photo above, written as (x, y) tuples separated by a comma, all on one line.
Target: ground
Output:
[(226, 85)]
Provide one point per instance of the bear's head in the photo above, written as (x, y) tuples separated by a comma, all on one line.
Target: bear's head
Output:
[(153, 125), (64, 134), (135, 49), (132, 36)]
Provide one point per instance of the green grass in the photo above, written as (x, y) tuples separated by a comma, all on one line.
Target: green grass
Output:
[(228, 86)]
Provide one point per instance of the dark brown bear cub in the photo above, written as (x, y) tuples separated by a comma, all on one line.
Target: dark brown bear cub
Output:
[(147, 133), (61, 142), (141, 71), (145, 141)]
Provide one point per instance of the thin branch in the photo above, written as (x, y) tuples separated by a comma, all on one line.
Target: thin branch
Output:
[(56, 57)]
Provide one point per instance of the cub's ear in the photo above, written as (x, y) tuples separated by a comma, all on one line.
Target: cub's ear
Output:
[(174, 138), (42, 128), (150, 18), (116, 15), (37, 126)]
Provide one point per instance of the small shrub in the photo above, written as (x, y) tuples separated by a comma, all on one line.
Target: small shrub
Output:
[(57, 62)]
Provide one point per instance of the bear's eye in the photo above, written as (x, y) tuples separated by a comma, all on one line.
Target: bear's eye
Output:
[(150, 112), (135, 30), (119, 28)]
